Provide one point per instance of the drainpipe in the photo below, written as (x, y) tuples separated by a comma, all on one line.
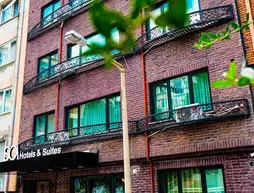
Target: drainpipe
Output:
[(15, 87), (145, 113), (248, 9), (58, 83), (55, 182)]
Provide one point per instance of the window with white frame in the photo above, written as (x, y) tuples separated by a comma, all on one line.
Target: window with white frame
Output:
[(7, 52), (9, 11), (5, 101)]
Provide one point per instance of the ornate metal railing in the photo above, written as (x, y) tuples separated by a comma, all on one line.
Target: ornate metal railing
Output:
[(88, 132), (60, 70), (182, 116), (195, 113), (68, 10), (196, 21)]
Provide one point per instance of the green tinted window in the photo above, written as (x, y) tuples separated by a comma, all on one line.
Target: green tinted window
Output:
[(193, 180), (44, 124), (179, 92)]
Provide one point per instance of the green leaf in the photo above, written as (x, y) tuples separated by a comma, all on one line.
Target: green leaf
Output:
[(232, 71), (175, 16), (251, 81), (226, 37), (108, 62), (245, 27), (162, 20), (247, 17), (221, 34), (208, 46), (235, 25), (139, 5), (228, 28), (196, 45), (243, 81), (222, 83), (212, 35), (111, 19)]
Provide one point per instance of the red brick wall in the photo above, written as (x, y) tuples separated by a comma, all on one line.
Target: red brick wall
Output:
[(246, 34), (238, 174), (248, 44), (170, 59)]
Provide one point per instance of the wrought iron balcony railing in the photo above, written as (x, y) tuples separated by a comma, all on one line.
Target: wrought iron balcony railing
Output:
[(70, 9), (195, 114), (197, 21), (191, 114), (60, 70)]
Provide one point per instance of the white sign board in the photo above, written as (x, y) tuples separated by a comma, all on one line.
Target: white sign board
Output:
[(12, 153)]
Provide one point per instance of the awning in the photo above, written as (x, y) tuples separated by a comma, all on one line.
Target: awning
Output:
[(64, 161)]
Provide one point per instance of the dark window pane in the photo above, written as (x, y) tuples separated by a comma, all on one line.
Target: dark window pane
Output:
[(43, 66), (57, 5), (98, 184), (40, 125), (6, 13), (119, 184), (93, 113), (192, 5), (80, 185), (161, 98), (4, 54), (214, 181), (172, 182), (180, 95), (161, 101), (51, 123), (16, 9), (47, 15), (54, 59), (73, 118), (7, 102), (114, 111), (1, 102), (191, 180), (201, 89)]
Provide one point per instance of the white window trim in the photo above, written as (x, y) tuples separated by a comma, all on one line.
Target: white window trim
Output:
[(4, 97), (11, 4), (10, 59)]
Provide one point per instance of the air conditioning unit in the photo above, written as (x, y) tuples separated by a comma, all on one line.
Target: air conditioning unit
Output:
[(66, 73), (63, 17), (189, 113)]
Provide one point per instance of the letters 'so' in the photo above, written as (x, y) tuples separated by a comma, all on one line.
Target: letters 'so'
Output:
[(8, 153)]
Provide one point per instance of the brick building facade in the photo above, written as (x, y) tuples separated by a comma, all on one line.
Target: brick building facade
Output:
[(202, 153)]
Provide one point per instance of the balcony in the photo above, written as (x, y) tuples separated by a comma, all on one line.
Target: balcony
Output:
[(68, 10), (190, 115), (59, 71), (197, 21)]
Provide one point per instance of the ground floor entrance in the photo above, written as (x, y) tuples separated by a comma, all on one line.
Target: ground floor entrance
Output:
[(215, 172)]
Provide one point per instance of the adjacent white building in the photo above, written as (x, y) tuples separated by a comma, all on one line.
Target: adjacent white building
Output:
[(13, 30)]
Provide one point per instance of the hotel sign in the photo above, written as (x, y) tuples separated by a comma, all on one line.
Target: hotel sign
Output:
[(12, 153)]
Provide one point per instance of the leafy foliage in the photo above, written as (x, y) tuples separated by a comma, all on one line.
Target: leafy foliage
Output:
[(175, 15), (105, 20), (207, 40), (230, 78)]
